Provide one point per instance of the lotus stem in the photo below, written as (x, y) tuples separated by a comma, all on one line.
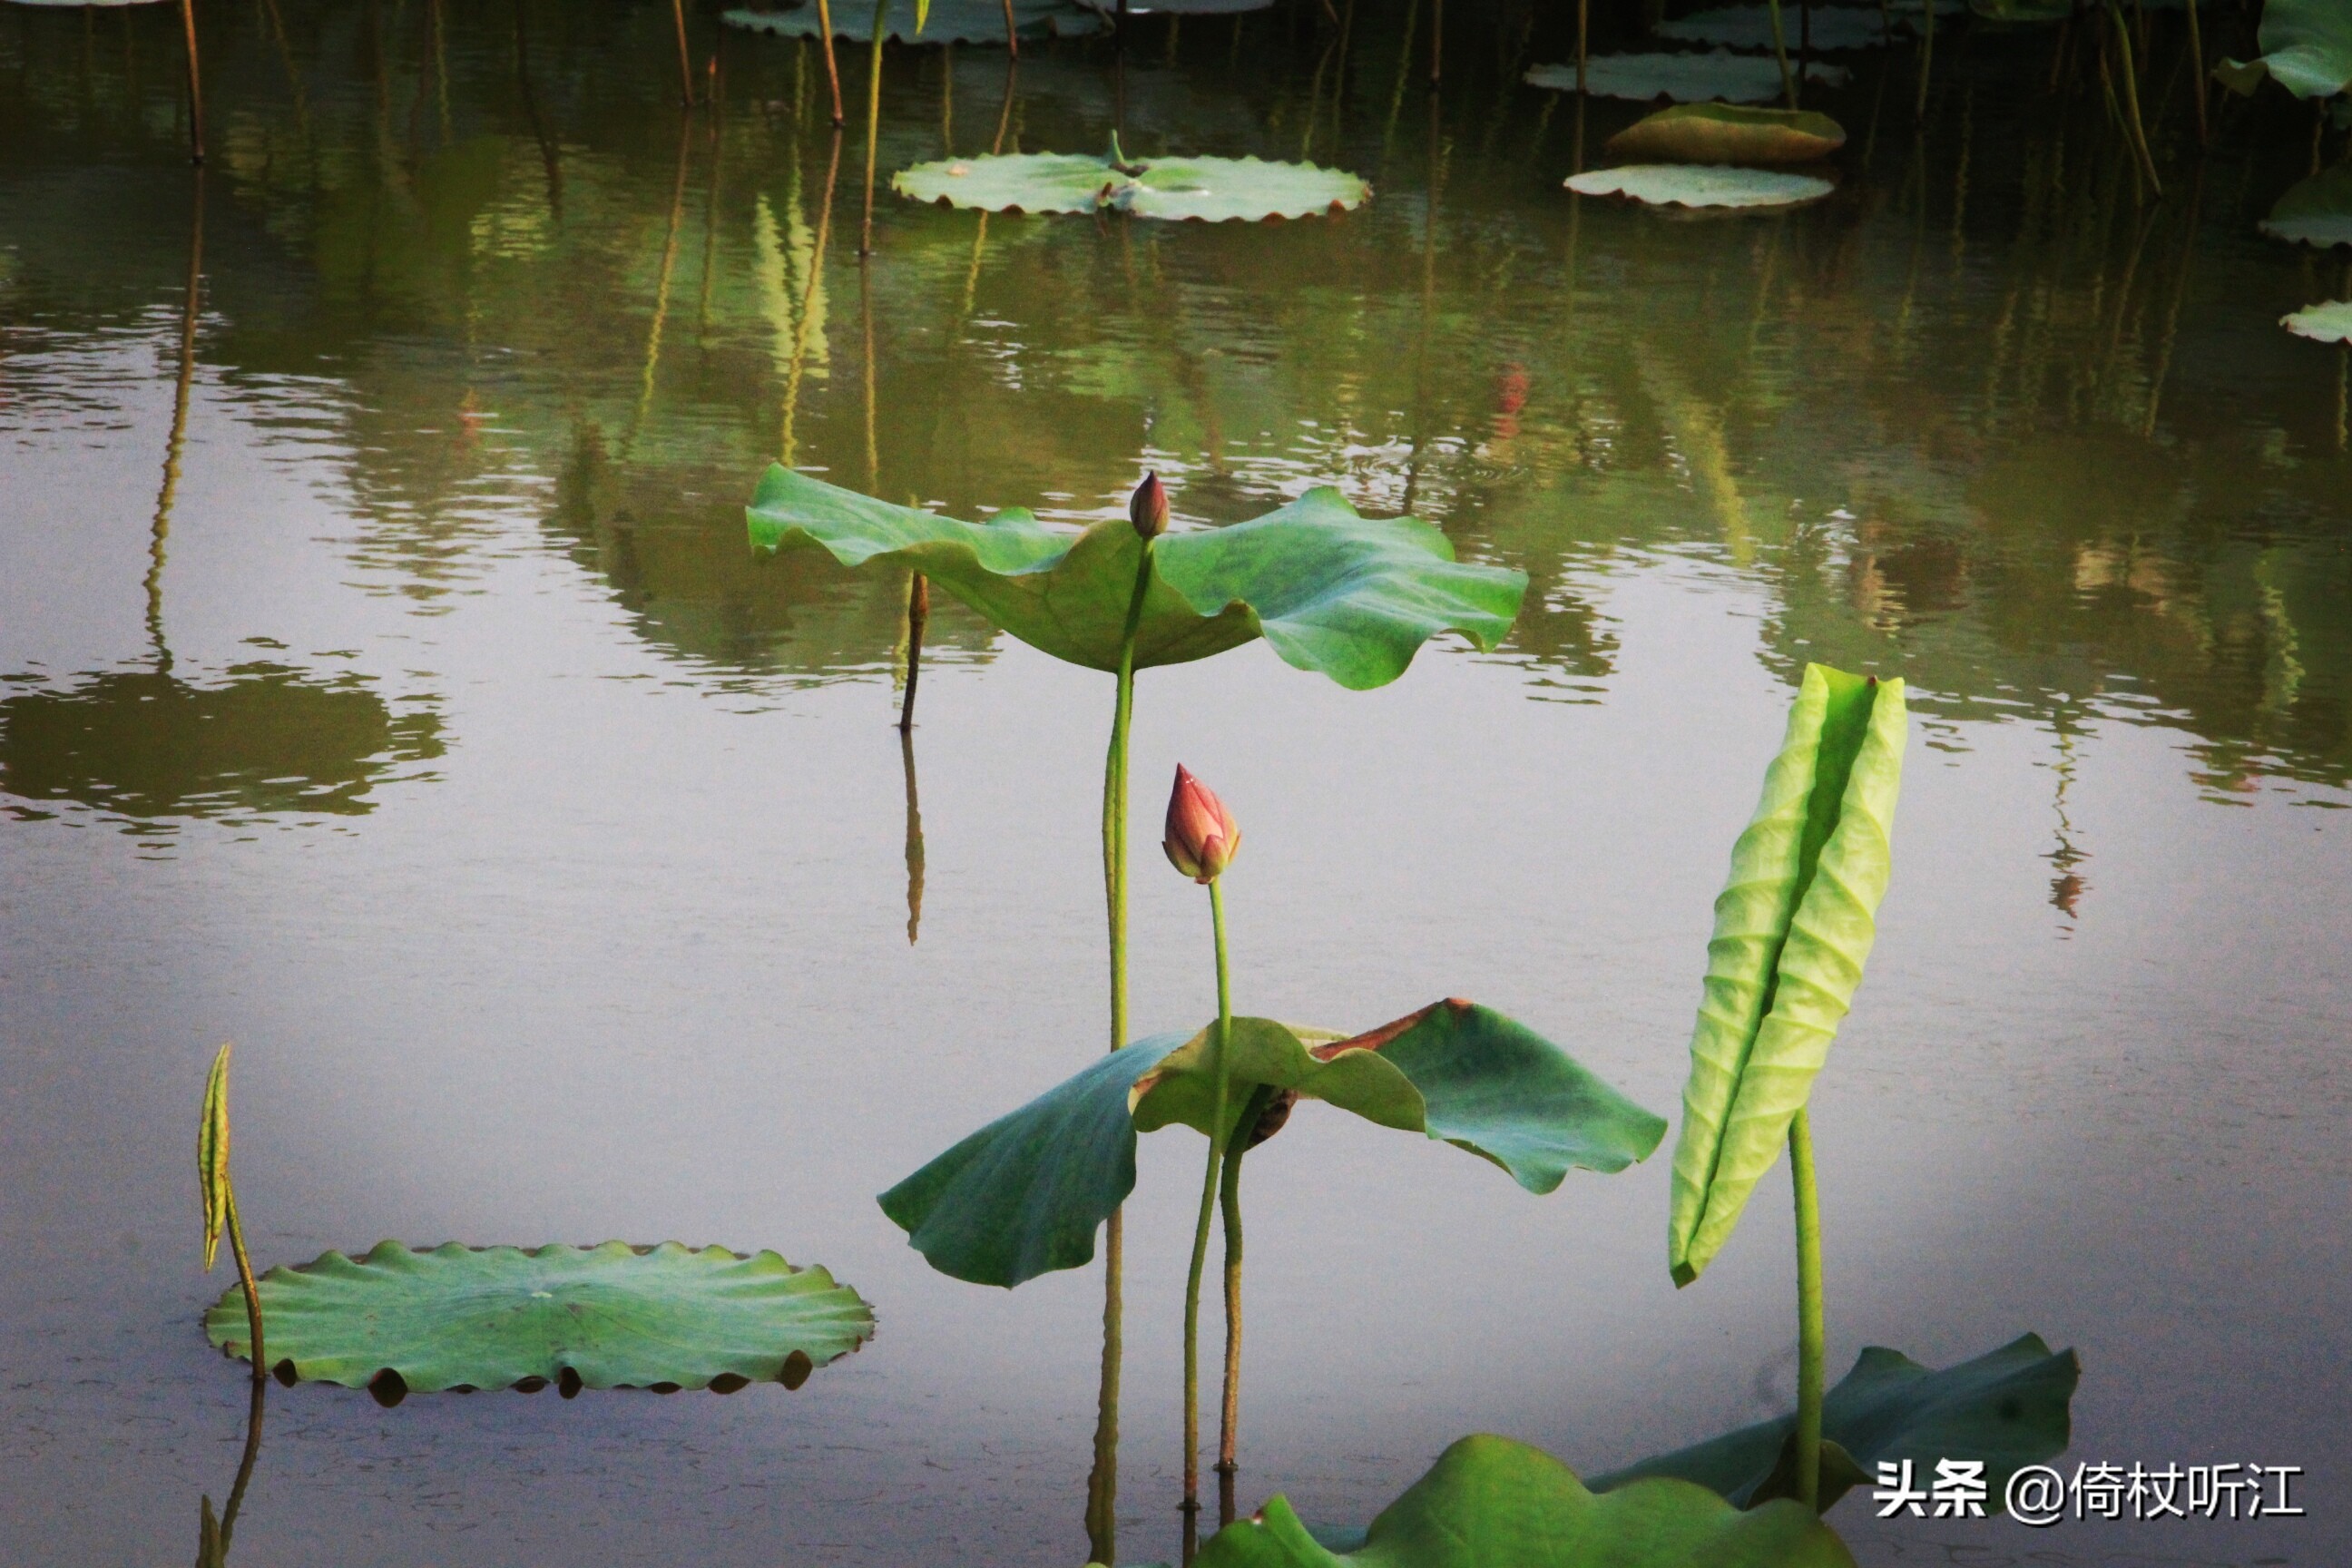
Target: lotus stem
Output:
[(2130, 74), (252, 1290), (195, 84), (873, 126), (244, 1463), (919, 614), (1584, 18), (684, 64), (1812, 1331), (1229, 1198), (1780, 52), (1217, 1141), (1011, 33), (832, 69), (2197, 74), (1926, 56)]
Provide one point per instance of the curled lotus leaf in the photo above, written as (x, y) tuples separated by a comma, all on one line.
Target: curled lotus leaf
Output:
[(1350, 596), (2007, 1408), (1793, 927), (2316, 211), (946, 21), (614, 1316), (1203, 190), (1701, 186), (1024, 1195), (1728, 133), (1834, 28), (2328, 324), (1686, 78), (1491, 1502), (2306, 48)]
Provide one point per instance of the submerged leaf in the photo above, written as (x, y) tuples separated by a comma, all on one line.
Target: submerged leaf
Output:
[(947, 21), (1684, 78), (1723, 134), (602, 1316), (1023, 1196), (2009, 1408), (1701, 186), (1206, 190), (2306, 48), (1489, 1502), (1350, 596), (2328, 324), (212, 1155), (1793, 929), (1834, 28), (2315, 211)]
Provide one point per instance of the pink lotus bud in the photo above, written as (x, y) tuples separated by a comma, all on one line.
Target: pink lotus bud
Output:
[(1147, 509), (1203, 837)]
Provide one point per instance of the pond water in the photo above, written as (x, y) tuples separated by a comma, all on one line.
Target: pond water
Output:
[(389, 688)]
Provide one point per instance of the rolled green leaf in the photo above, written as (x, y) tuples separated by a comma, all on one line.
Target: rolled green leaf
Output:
[(212, 1155), (1793, 927), (1024, 1195), (1490, 1502), (1350, 596)]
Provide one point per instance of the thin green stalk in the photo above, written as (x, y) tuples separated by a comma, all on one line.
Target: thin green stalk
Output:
[(1217, 1140), (873, 126), (2130, 74), (1102, 1482), (1781, 52), (1229, 1202), (1811, 1329), (252, 1292)]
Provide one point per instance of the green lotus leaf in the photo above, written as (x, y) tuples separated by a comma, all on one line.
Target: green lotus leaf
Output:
[(1350, 596), (1206, 190), (1490, 1502), (1684, 78), (1793, 927), (947, 21), (2317, 211), (2306, 48), (1834, 28), (1024, 1195), (614, 1316), (2328, 324), (1700, 185), (2009, 1408), (1726, 133)]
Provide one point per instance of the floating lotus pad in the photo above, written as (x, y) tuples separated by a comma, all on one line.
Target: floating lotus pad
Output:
[(2328, 324), (1725, 133), (2007, 1408), (2315, 211), (1834, 28), (1693, 78), (1490, 1502), (2306, 49), (1209, 190), (949, 22), (1701, 186), (1024, 1195), (614, 1316), (1350, 596)]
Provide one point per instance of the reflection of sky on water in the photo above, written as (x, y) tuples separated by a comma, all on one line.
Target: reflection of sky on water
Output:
[(633, 958)]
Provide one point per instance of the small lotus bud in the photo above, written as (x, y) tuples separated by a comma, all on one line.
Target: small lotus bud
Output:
[(1147, 509), (1202, 835)]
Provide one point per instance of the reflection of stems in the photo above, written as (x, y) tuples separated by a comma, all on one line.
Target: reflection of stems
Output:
[(178, 437), (1583, 9), (913, 837), (1217, 1140), (2197, 73), (873, 126), (685, 68), (808, 301), (1102, 1485), (547, 155), (2130, 74), (661, 291), (832, 70), (1926, 57), (1229, 1198), (1436, 40), (1780, 53), (918, 611), (1812, 1334), (195, 84)]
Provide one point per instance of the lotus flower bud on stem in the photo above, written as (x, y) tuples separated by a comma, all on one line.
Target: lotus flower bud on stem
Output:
[(1147, 509), (1203, 837)]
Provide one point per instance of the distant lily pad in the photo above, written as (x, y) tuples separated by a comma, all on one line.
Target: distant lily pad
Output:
[(1208, 190), (2328, 324), (949, 22), (1834, 28), (1693, 78), (614, 1316), (1701, 186), (1728, 133), (2316, 211)]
